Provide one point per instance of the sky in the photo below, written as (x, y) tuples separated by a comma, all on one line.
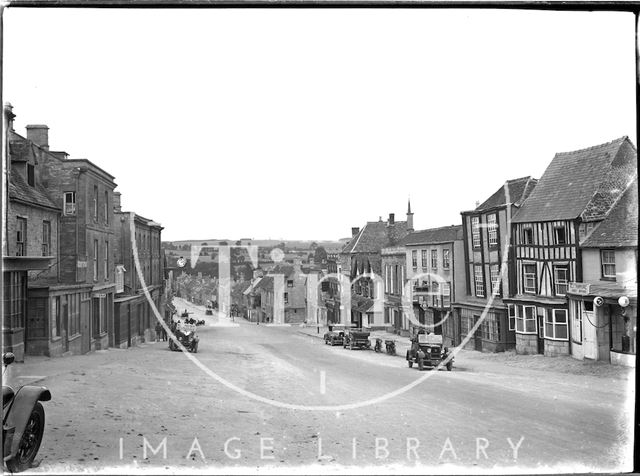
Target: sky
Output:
[(303, 123)]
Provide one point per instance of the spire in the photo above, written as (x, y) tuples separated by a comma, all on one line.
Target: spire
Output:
[(409, 216)]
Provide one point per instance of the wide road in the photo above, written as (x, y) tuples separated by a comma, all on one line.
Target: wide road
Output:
[(110, 406)]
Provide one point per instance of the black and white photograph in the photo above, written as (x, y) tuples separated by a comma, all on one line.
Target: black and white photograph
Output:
[(350, 239)]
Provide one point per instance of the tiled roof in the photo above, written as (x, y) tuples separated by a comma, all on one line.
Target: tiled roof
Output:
[(376, 235), (519, 189), (572, 178), (21, 150), (443, 234), (20, 190), (620, 227), (265, 283)]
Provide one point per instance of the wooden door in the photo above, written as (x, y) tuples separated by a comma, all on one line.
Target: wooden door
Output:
[(477, 337), (85, 327), (590, 341)]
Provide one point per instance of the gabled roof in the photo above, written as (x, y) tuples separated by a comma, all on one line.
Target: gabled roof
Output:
[(21, 190), (620, 227), (376, 235), (266, 284), (518, 189), (573, 178), (443, 234)]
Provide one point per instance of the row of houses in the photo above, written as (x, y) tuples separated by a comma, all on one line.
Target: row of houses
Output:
[(544, 266), (69, 275)]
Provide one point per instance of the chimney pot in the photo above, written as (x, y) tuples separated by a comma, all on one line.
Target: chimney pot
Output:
[(392, 218)]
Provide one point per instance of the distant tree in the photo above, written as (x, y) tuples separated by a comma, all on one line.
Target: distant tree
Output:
[(239, 243), (205, 244), (314, 245), (320, 255), (282, 246), (223, 243)]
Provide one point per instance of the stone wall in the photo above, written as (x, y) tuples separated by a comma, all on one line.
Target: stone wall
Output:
[(556, 347), (526, 344)]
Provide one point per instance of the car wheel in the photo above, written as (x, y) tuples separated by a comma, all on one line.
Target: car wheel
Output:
[(30, 442)]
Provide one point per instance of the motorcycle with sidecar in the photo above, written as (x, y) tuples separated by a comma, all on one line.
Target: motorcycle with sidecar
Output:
[(22, 422)]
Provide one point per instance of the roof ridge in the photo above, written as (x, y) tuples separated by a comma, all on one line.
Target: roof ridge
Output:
[(528, 177), (436, 228), (593, 147)]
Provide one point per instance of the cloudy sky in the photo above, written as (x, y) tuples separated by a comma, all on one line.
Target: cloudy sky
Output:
[(300, 124)]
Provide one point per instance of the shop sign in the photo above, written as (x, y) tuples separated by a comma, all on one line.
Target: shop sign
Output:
[(581, 289)]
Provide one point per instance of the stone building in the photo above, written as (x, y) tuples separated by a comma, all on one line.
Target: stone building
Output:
[(394, 272), (435, 267), (486, 249), (360, 261), (575, 193), (603, 307), (134, 315)]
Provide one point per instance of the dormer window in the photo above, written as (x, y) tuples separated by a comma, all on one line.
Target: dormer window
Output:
[(31, 175)]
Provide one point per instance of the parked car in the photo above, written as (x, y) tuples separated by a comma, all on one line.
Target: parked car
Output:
[(356, 339), (427, 351), (335, 335), (186, 334)]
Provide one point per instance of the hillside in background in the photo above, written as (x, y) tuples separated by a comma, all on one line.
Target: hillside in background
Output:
[(290, 245)]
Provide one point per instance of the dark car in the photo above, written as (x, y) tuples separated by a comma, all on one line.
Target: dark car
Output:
[(334, 336), (427, 351), (186, 334), (356, 339)]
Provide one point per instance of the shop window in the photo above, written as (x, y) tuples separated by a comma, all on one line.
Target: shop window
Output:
[(556, 325), (526, 321)]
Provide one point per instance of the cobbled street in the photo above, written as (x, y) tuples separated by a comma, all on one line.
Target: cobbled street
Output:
[(478, 417)]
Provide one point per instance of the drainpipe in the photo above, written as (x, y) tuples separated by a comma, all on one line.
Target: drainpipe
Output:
[(610, 333)]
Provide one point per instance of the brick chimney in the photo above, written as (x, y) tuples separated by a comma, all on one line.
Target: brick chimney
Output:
[(39, 135), (116, 202), (392, 218), (355, 230)]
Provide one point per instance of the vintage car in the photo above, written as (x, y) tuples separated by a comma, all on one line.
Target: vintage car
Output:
[(356, 339), (335, 335), (186, 334), (427, 351)]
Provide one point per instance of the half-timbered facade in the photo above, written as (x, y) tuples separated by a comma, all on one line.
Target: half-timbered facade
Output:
[(577, 188), (486, 250)]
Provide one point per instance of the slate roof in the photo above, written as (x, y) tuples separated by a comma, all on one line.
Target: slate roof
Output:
[(266, 283), (443, 234), (573, 178), (20, 190), (376, 235), (519, 189), (620, 227)]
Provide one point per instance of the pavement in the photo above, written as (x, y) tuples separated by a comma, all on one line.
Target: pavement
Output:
[(275, 400)]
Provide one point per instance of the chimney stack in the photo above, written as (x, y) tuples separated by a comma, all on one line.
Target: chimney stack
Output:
[(39, 135), (9, 115), (355, 230), (392, 218), (116, 202)]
